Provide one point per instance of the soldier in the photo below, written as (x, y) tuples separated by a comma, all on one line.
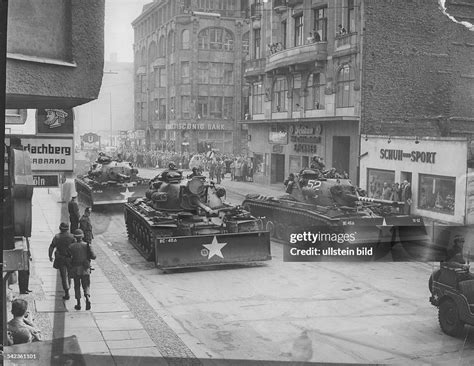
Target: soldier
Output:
[(74, 214), (455, 252), (81, 255), (86, 226), (61, 243)]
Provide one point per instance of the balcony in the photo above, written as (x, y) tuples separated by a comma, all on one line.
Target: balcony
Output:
[(279, 6), (255, 67), (346, 44), (300, 55)]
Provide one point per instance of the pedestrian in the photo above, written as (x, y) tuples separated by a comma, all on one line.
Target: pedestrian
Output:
[(386, 191), (74, 214), (61, 243), (86, 226), (81, 254), (406, 197), (21, 328)]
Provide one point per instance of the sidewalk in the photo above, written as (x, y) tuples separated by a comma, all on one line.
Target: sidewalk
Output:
[(108, 334)]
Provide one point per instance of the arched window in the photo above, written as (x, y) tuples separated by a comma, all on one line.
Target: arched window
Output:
[(280, 95), (162, 51), (152, 52), (143, 57), (245, 43), (185, 39), (171, 42), (345, 87), (216, 39), (315, 97)]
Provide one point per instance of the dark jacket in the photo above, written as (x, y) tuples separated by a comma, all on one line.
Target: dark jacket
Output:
[(73, 209), (81, 254), (61, 243), (86, 226)]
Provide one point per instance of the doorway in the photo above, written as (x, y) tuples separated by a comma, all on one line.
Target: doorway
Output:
[(341, 147), (277, 172)]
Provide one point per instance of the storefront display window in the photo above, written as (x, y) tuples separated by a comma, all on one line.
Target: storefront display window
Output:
[(437, 193), (376, 180), (258, 164)]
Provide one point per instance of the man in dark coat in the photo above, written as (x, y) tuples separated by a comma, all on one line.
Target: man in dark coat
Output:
[(74, 214), (406, 197), (86, 226), (61, 243), (81, 255)]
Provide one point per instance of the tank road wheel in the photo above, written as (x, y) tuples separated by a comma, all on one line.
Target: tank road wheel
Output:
[(448, 317), (271, 228), (280, 231)]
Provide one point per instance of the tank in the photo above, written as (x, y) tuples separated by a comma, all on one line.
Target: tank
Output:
[(317, 203), (186, 223), (110, 181)]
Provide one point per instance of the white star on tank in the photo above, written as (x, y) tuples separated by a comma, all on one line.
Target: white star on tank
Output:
[(127, 194), (214, 248)]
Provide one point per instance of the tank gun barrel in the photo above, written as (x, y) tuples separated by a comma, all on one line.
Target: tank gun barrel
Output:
[(377, 200)]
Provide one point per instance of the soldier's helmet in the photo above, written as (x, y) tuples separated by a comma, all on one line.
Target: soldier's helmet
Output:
[(172, 166), (78, 233), (63, 226)]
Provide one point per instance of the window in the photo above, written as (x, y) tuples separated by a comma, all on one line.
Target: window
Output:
[(215, 107), (202, 107), (297, 93), (185, 72), (376, 179), (216, 39), (245, 43), (172, 107), (257, 98), (437, 193), (162, 77), (152, 52), (170, 42), (203, 72), (162, 109), (161, 47), (142, 81), (315, 96), (321, 22), (185, 39), (228, 73), (350, 16), (345, 87), (256, 44), (283, 28), (216, 73), (280, 94), (185, 106), (299, 36), (156, 109), (228, 108)]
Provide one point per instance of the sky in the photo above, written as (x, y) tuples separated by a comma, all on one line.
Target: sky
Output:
[(119, 15)]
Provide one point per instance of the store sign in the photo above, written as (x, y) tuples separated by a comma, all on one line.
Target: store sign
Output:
[(196, 126), (46, 180), (414, 156), (50, 154), (306, 148), (55, 121), (302, 130), (90, 138), (140, 134)]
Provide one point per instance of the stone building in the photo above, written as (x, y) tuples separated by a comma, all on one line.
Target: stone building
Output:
[(380, 89), (188, 79)]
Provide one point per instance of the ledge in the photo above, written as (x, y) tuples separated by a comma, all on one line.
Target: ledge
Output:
[(40, 60)]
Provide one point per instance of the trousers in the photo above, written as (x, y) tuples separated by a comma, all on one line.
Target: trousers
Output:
[(65, 279), (85, 281)]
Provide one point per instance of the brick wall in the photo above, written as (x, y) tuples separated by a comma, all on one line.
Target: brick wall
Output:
[(418, 69)]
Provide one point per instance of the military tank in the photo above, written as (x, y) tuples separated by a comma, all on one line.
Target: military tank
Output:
[(110, 181), (185, 223), (316, 203)]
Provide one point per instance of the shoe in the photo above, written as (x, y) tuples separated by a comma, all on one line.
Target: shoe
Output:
[(24, 293), (66, 297), (77, 307), (88, 305), (29, 290)]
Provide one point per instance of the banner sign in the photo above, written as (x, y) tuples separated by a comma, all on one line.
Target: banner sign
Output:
[(45, 180), (50, 154), (55, 121)]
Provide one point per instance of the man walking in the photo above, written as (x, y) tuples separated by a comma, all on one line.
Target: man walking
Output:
[(61, 243), (86, 226), (74, 214), (81, 255)]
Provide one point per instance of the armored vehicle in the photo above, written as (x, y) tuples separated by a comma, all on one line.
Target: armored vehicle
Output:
[(110, 181), (333, 205), (185, 223)]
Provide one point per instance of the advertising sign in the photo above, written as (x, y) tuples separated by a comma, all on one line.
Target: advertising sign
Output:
[(54, 121), (46, 180), (50, 154), (90, 138)]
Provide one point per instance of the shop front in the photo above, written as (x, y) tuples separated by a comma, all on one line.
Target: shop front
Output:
[(279, 149), (435, 167), (201, 137)]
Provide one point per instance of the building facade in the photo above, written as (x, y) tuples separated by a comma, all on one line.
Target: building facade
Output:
[(303, 74), (188, 78)]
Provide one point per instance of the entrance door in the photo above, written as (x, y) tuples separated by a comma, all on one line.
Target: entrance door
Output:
[(340, 153), (277, 173)]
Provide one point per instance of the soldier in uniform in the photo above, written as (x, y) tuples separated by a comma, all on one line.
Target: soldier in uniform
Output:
[(81, 254), (74, 214), (86, 226), (61, 243)]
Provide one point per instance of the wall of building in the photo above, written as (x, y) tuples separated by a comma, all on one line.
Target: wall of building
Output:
[(55, 53), (417, 68)]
